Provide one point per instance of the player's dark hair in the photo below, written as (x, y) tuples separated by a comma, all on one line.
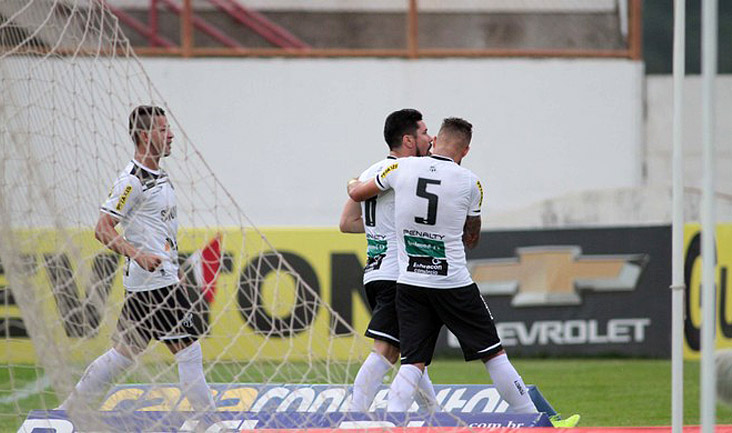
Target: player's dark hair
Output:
[(459, 128), (400, 123), (141, 119)]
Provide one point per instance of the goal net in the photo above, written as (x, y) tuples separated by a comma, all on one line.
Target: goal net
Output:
[(68, 82)]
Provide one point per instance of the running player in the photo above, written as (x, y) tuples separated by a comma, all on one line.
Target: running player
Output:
[(142, 201)]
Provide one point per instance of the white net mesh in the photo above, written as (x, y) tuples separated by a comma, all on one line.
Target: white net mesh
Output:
[(68, 81)]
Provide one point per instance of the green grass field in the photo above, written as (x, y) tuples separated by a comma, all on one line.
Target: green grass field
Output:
[(618, 392)]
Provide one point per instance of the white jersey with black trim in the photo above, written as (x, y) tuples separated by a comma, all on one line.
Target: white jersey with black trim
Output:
[(143, 200), (433, 197), (378, 222)]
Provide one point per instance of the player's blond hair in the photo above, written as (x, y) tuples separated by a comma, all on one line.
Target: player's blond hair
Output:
[(459, 129)]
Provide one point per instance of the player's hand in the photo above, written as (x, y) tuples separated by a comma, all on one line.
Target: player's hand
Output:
[(148, 262), (353, 183)]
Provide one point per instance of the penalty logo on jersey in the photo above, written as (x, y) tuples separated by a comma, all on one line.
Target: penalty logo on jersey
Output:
[(426, 256)]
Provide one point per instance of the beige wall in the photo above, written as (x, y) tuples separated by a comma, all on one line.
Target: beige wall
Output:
[(285, 135)]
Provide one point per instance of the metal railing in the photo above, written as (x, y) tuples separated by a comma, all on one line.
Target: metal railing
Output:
[(285, 44)]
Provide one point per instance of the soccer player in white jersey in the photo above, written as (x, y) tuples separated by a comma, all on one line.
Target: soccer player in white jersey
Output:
[(142, 201), (437, 216), (406, 135)]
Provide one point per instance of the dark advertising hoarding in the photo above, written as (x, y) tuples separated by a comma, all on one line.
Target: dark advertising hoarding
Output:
[(576, 292)]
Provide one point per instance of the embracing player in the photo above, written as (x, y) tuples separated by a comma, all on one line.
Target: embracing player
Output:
[(437, 216), (142, 201), (406, 135)]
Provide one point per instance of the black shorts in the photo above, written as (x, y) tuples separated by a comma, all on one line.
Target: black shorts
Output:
[(384, 325), (422, 312), (165, 314)]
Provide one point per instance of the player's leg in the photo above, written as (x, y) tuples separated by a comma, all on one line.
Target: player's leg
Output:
[(130, 339), (419, 328), (404, 386), (384, 330), (426, 393), (508, 382), (371, 375), (178, 325), (96, 379), (189, 357), (466, 315)]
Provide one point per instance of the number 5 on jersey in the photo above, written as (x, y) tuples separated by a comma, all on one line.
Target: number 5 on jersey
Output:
[(422, 184)]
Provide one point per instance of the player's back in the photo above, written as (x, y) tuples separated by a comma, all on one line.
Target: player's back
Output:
[(433, 197), (378, 221)]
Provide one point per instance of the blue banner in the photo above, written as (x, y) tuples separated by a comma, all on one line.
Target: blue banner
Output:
[(58, 422), (243, 397)]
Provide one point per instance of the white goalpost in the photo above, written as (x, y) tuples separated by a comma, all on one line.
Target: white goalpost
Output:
[(677, 232), (708, 328), (709, 386)]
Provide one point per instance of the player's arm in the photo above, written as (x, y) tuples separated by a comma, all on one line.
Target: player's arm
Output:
[(351, 221), (362, 191), (471, 231), (106, 233)]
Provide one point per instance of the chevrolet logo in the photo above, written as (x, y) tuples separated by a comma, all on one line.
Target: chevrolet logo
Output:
[(554, 275)]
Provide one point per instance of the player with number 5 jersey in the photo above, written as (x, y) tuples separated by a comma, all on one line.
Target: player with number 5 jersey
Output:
[(431, 251)]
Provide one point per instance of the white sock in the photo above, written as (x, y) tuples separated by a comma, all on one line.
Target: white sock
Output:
[(401, 392), (369, 377), (426, 395), (510, 385), (192, 380), (97, 378)]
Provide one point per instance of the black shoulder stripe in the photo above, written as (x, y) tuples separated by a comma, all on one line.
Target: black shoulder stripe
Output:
[(142, 174), (441, 158)]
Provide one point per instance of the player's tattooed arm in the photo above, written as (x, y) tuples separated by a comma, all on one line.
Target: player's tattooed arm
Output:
[(471, 231), (351, 221)]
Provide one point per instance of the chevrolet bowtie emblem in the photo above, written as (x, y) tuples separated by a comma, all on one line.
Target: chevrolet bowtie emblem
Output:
[(554, 275)]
